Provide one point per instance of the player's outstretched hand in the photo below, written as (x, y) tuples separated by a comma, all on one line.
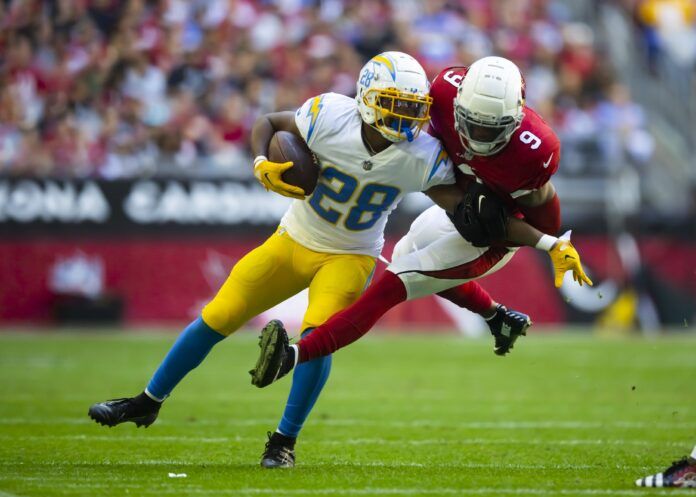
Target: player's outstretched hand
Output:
[(565, 258), (270, 175)]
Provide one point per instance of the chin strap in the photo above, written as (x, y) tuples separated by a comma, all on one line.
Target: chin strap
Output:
[(409, 134), (404, 129)]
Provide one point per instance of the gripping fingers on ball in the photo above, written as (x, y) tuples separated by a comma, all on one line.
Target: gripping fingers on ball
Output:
[(295, 192), (265, 169), (279, 186), (287, 189), (270, 176)]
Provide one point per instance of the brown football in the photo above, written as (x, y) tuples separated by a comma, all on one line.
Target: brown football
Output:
[(304, 173)]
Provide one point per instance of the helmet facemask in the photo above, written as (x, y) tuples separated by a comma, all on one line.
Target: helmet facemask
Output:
[(398, 115), (483, 134), (393, 96), (489, 106)]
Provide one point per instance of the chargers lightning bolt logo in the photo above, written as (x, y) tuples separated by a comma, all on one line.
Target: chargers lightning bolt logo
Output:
[(313, 114), (381, 59), (440, 159)]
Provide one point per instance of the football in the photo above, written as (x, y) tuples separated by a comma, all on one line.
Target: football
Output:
[(304, 173)]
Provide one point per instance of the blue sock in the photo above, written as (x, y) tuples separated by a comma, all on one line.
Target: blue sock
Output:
[(188, 351), (307, 381)]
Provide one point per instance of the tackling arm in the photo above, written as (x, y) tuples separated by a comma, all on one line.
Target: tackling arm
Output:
[(482, 219), (269, 173), (515, 231), (542, 209), (446, 196), (563, 255), (542, 219)]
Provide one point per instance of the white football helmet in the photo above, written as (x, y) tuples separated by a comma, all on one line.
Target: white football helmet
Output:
[(393, 95), (489, 105)]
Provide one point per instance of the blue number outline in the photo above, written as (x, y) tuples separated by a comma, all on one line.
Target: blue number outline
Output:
[(363, 204), (342, 196)]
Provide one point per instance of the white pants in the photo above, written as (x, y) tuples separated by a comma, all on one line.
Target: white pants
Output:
[(433, 256)]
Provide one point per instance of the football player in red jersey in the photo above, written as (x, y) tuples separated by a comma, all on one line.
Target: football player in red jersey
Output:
[(498, 141), (505, 155)]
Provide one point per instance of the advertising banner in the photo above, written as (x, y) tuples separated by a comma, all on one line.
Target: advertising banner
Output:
[(148, 251), (147, 206), (159, 281)]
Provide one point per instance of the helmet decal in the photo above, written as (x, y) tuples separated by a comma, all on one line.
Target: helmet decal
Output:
[(382, 59), (393, 95), (366, 76)]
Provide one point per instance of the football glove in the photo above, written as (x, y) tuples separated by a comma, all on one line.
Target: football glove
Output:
[(270, 174), (481, 217), (565, 258)]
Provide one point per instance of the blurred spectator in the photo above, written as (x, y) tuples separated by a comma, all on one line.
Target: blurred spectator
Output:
[(670, 26), (130, 88)]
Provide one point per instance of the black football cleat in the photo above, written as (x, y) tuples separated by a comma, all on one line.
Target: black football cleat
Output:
[(141, 410), (681, 474), (279, 452), (276, 357), (506, 326)]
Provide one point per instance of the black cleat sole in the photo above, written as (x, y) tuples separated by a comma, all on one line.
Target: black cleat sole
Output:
[(505, 349), (273, 343)]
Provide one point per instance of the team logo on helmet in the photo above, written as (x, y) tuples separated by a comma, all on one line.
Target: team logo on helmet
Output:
[(393, 95)]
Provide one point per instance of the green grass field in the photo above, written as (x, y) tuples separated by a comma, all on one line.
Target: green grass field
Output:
[(562, 415)]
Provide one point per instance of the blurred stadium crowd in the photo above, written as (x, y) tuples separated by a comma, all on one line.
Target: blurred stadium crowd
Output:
[(118, 89)]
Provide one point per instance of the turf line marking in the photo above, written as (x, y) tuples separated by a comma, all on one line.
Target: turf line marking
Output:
[(196, 465), (446, 490), (439, 491), (7, 494), (429, 423), (353, 441), (169, 490)]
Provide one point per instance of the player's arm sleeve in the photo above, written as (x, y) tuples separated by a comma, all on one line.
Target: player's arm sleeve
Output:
[(545, 217), (310, 118), (432, 131), (440, 170)]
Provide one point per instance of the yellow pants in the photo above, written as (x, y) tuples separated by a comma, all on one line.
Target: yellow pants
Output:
[(279, 269)]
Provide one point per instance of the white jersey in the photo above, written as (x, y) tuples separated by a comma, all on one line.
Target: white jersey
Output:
[(356, 192)]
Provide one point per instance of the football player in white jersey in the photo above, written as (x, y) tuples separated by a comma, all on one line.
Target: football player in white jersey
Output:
[(371, 153)]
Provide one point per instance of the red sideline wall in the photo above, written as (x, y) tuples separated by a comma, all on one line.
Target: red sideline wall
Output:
[(167, 281)]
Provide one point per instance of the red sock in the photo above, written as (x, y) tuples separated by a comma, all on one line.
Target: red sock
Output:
[(470, 296), (351, 323)]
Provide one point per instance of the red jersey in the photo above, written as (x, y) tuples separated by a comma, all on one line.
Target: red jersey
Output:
[(524, 164)]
